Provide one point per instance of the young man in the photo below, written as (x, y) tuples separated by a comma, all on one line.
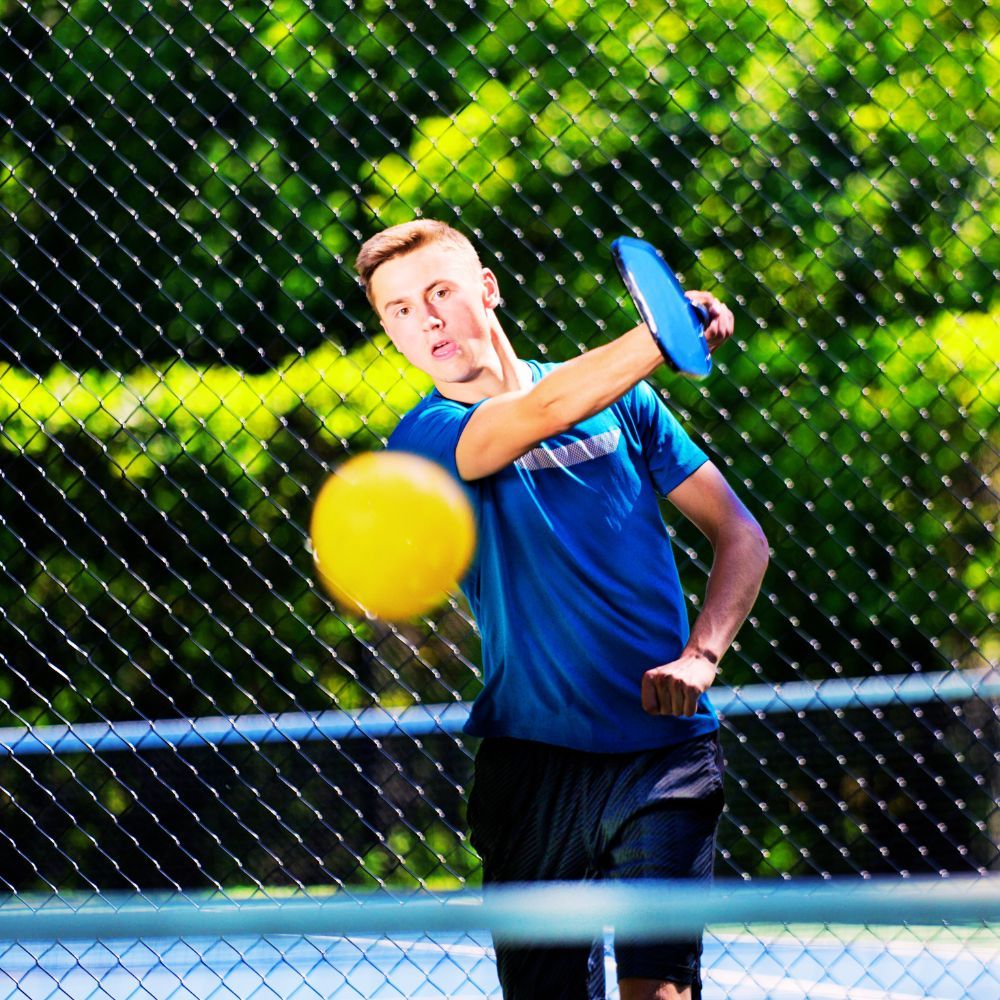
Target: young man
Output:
[(600, 754)]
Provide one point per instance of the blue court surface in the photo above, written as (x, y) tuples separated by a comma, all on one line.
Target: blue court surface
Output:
[(839, 963)]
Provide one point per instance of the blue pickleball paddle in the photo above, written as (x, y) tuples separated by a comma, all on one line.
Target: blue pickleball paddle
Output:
[(676, 323)]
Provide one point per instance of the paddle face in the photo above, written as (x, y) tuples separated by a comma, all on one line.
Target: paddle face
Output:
[(675, 322)]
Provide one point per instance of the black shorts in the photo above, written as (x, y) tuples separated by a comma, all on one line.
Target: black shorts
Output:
[(540, 813)]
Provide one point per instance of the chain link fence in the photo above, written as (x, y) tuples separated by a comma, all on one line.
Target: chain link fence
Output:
[(186, 354)]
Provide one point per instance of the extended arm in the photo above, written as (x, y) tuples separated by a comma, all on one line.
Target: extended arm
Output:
[(740, 558), (504, 427)]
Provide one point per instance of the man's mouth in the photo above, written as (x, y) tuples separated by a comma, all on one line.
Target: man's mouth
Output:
[(444, 349)]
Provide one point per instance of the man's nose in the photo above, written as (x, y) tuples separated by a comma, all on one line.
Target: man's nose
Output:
[(431, 319)]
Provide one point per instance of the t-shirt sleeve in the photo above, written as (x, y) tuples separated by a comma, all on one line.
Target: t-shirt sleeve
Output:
[(670, 454), (432, 431)]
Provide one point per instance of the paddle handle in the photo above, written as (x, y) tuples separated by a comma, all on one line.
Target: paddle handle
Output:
[(702, 313)]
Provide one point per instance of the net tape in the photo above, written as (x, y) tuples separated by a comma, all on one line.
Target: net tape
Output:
[(568, 913)]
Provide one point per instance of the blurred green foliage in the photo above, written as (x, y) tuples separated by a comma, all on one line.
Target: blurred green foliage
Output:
[(188, 354)]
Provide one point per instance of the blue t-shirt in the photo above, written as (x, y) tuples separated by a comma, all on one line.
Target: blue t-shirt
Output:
[(574, 585)]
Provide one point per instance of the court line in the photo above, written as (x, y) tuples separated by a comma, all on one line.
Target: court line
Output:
[(807, 988), (406, 946), (942, 949)]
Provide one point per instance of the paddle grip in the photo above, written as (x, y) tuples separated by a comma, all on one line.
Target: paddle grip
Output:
[(702, 313)]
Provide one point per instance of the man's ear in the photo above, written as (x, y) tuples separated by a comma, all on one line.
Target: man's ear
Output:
[(491, 289)]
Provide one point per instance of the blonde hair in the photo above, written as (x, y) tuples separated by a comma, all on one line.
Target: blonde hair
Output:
[(405, 238)]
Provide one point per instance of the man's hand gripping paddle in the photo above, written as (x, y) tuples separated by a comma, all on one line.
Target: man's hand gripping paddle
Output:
[(676, 323)]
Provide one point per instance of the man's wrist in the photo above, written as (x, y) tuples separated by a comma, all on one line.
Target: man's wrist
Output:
[(705, 654), (646, 343)]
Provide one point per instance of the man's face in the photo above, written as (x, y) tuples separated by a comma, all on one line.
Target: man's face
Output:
[(435, 305)]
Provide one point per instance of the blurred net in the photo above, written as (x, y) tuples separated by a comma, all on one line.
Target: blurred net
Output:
[(899, 938), (186, 355)]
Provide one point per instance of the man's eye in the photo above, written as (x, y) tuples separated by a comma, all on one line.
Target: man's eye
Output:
[(441, 293), (402, 312)]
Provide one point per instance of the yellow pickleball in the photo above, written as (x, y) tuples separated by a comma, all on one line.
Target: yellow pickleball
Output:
[(391, 534)]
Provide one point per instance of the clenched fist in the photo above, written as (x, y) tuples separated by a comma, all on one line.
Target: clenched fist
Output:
[(674, 688), (721, 320)]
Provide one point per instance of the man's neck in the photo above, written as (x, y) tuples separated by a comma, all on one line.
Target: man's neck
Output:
[(487, 384)]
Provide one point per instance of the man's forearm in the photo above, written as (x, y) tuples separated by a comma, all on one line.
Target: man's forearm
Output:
[(589, 383), (741, 557)]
